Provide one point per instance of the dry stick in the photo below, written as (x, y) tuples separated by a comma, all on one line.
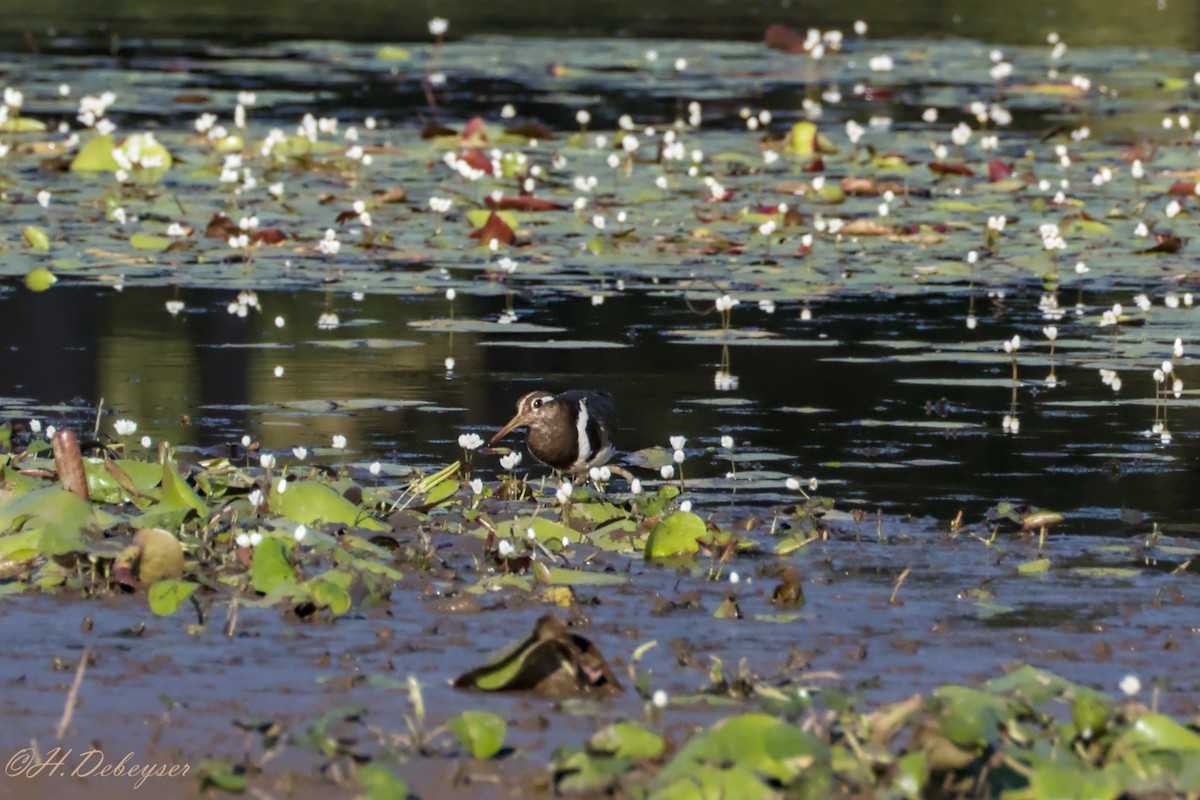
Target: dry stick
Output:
[(73, 695), (99, 411), (900, 580)]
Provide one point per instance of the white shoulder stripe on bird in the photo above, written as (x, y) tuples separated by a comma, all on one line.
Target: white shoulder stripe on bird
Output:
[(585, 444)]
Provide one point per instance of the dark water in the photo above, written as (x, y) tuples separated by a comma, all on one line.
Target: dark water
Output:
[(837, 403), (127, 24)]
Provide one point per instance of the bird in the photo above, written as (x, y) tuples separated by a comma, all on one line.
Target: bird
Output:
[(569, 432)]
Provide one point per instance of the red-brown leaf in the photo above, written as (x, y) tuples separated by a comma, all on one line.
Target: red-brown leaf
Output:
[(1182, 188), (1166, 244), (474, 131), (220, 227), (268, 236), (816, 165), (69, 463), (781, 37), (942, 168), (494, 228), (524, 202), (998, 170), (477, 159), (531, 130), (433, 130)]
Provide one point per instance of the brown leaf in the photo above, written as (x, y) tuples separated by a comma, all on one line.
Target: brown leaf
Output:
[(1182, 188), (524, 202), (859, 186), (69, 463), (531, 130), (434, 130), (220, 227), (121, 477), (998, 170), (475, 132), (782, 37), (1142, 151), (1166, 244), (494, 228), (396, 195), (866, 227), (943, 168), (477, 159), (268, 236)]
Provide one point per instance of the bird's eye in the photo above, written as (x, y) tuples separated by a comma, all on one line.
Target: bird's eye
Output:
[(537, 402)]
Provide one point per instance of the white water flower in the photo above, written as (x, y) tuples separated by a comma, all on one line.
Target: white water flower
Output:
[(125, 427), (1130, 685), (510, 461), (477, 486), (339, 442), (667, 471), (470, 441), (300, 453), (300, 532)]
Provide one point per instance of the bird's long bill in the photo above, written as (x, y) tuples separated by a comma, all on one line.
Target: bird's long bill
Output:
[(515, 422)]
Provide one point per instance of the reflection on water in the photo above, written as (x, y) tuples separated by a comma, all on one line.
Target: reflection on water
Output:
[(890, 402)]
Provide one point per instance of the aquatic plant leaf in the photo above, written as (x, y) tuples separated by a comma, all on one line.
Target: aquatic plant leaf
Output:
[(380, 783), (144, 241), (1048, 781), (36, 238), (581, 771), (389, 52), (310, 502), (161, 555), (1033, 567), (55, 515), (495, 228), (629, 740), (709, 782), (440, 493), (329, 590), (481, 733), (970, 718), (546, 530), (676, 534), (176, 493), (270, 567), (551, 661), (22, 125), (39, 279), (562, 576), (95, 156), (912, 773), (166, 596), (756, 742), (110, 481), (785, 38), (1091, 710), (1153, 732)]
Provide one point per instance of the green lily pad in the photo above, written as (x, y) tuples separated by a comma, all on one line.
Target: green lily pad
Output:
[(481, 733), (676, 534)]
